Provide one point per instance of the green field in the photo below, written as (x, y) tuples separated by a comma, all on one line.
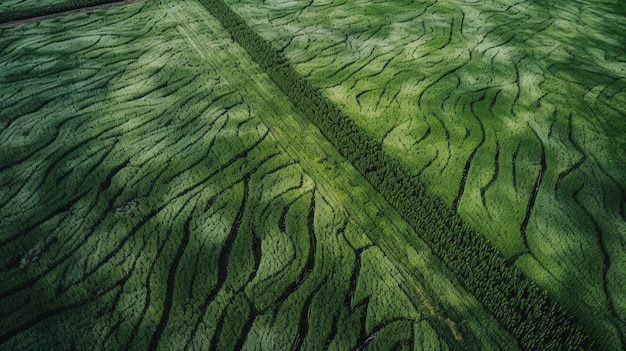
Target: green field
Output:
[(15, 10), (159, 190), (512, 112)]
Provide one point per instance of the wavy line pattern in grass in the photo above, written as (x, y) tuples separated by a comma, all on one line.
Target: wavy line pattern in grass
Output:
[(548, 87), (150, 198)]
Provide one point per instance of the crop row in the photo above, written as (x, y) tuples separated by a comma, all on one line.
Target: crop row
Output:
[(515, 301)]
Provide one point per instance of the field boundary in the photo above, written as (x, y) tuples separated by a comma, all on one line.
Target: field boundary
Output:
[(28, 16)]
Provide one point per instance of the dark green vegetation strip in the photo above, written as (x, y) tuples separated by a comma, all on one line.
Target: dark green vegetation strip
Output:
[(145, 201), (17, 12), (523, 308)]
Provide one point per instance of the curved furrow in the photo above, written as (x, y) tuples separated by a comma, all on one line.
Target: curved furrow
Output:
[(246, 327), (171, 277), (499, 45), (514, 167), (141, 317), (428, 163), (197, 263), (574, 166), (623, 205), (266, 212), (222, 340), (303, 322), (449, 39), (364, 341), (622, 202), (448, 146), (424, 136), (206, 301), (201, 158), (440, 77), (222, 269), (29, 282), (63, 179), (356, 272), (122, 241), (13, 185), (535, 190), (350, 72), (283, 218), (34, 254), (219, 325), (222, 168), (256, 252), (51, 313), (395, 79), (468, 163), (606, 261), (307, 268), (387, 82), (275, 173), (92, 169), (494, 177), (332, 333), (310, 261), (112, 173), (622, 188), (385, 340), (20, 153), (607, 246)]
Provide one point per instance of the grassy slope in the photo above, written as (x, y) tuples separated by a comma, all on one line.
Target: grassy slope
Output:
[(156, 189), (521, 129)]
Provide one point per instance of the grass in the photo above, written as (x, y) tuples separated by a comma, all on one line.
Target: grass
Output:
[(511, 113), (20, 10), (160, 191)]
